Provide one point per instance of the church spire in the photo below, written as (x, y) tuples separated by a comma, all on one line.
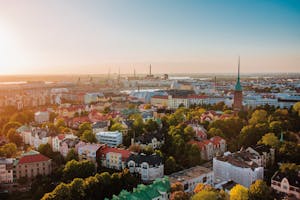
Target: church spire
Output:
[(238, 86)]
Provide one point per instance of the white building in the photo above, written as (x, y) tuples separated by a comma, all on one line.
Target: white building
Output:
[(89, 152), (287, 183), (41, 117), (93, 97), (149, 167), (111, 138), (238, 167), (6, 170), (189, 178)]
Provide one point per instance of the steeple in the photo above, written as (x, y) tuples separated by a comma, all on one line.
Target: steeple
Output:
[(238, 86)]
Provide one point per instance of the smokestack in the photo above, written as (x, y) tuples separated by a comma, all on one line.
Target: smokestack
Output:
[(150, 70)]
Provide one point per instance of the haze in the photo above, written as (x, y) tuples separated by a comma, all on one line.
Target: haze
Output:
[(75, 37)]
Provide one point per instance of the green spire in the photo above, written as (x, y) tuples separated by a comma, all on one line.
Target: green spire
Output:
[(281, 137), (238, 86)]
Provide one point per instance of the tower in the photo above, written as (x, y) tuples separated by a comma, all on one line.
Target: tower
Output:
[(238, 92), (150, 70)]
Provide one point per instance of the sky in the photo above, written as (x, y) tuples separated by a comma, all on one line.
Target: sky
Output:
[(186, 36)]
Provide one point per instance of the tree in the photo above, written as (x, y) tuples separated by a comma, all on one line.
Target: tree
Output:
[(117, 127), (8, 150), (88, 136), (46, 150), (60, 123), (176, 187), (259, 190), (239, 192), (72, 155), (74, 169), (259, 116), (10, 125), (179, 195), (200, 186), (61, 192), (77, 189), (170, 165), (296, 107), (289, 168), (270, 139), (189, 133), (215, 132), (14, 137), (206, 195), (83, 127)]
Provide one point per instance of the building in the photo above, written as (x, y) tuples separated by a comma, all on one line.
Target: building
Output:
[(56, 140), (89, 152), (32, 164), (6, 170), (189, 178), (69, 143), (266, 155), (160, 189), (238, 92), (111, 138), (114, 158), (239, 167), (41, 117), (215, 146), (286, 183), (149, 167), (159, 100), (153, 140)]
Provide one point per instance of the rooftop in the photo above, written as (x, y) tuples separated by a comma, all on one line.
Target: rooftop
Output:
[(32, 158), (188, 174)]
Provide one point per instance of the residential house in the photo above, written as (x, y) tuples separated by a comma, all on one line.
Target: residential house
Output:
[(32, 164), (111, 138), (241, 167), (70, 143), (56, 141), (41, 116), (149, 167), (266, 154), (153, 140), (189, 178), (286, 183), (114, 158), (6, 170), (89, 152)]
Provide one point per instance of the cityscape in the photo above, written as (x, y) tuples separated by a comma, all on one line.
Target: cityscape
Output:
[(149, 100)]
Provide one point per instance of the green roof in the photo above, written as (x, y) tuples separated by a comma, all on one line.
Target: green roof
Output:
[(146, 192), (238, 86)]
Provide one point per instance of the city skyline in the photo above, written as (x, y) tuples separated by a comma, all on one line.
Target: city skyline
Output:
[(54, 37)]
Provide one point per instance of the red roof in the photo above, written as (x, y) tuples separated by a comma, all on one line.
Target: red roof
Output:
[(33, 158), (160, 97), (200, 145), (61, 136), (125, 153), (194, 96), (216, 140)]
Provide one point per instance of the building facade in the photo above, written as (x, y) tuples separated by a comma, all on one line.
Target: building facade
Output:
[(111, 138)]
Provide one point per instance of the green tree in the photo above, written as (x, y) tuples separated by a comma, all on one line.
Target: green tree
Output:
[(14, 137), (239, 192), (72, 155), (296, 107), (189, 133), (61, 192), (259, 190), (117, 127), (270, 139), (10, 125), (8, 150), (74, 169), (88, 136), (83, 127), (170, 165), (259, 116), (77, 189), (206, 195), (179, 195), (46, 150), (215, 132)]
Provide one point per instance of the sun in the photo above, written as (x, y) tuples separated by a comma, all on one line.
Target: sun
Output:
[(10, 53)]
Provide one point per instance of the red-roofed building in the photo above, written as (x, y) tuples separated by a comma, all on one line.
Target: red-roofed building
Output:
[(114, 158), (32, 164), (210, 148)]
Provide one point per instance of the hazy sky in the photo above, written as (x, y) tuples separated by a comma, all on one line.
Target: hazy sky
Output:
[(71, 37)]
